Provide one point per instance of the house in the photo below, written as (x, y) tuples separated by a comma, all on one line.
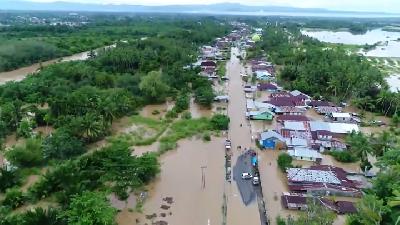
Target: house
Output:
[(294, 201), (336, 129), (268, 87), (272, 140), (208, 64), (340, 117), (252, 105), (264, 114), (222, 98), (322, 180), (289, 110), (323, 110), (296, 142), (250, 89), (300, 95), (319, 103), (295, 125), (306, 154), (282, 118), (263, 75)]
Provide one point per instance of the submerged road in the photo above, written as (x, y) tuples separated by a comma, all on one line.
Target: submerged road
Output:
[(241, 207)]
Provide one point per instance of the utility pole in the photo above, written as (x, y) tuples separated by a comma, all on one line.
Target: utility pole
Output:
[(203, 177)]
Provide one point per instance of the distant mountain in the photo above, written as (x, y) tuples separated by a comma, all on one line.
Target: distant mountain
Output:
[(220, 8)]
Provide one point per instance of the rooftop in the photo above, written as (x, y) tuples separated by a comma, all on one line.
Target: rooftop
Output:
[(312, 176)]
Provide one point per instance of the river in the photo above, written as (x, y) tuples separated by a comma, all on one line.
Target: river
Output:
[(21, 73)]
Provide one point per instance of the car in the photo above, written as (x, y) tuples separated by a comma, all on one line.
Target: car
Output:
[(246, 176), (256, 181)]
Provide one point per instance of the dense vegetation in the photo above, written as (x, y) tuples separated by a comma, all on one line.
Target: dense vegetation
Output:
[(81, 100), (326, 72)]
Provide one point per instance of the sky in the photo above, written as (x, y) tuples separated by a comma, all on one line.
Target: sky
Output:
[(345, 5)]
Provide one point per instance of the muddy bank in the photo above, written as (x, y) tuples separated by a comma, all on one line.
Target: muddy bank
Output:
[(181, 179)]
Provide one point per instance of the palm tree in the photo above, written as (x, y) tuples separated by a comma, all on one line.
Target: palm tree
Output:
[(92, 126), (359, 145)]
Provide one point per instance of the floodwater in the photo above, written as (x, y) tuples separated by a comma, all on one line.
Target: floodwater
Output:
[(156, 111), (237, 212), (274, 183), (392, 49), (21, 73), (394, 82), (181, 180)]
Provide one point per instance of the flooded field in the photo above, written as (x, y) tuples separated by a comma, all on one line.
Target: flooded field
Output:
[(181, 180)]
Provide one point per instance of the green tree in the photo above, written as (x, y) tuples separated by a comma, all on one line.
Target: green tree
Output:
[(371, 210), (359, 145), (153, 86), (62, 145), (90, 208), (220, 122), (204, 96), (14, 198), (284, 161), (27, 155)]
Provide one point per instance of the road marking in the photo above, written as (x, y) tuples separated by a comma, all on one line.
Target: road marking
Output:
[(208, 221)]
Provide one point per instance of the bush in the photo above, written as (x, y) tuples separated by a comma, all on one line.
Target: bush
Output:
[(205, 96), (28, 155), (8, 179), (186, 115), (171, 114), (220, 122), (280, 221), (343, 156), (14, 198), (155, 112), (62, 145), (25, 128), (206, 137), (182, 102), (166, 146), (284, 161)]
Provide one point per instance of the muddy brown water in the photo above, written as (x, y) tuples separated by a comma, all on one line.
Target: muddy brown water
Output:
[(181, 179), (21, 73), (237, 212)]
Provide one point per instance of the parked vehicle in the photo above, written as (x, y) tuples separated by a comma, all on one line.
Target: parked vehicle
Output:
[(228, 144), (256, 181), (246, 176)]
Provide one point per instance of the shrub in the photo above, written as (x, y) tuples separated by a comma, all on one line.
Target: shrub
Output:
[(284, 161), (8, 178), (166, 146), (186, 115), (343, 156), (155, 112), (27, 155), (62, 145), (280, 221), (14, 198), (206, 137), (182, 102), (25, 128), (220, 122), (171, 114)]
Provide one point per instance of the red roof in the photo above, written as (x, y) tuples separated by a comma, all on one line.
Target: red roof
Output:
[(320, 103), (208, 63), (346, 207), (267, 86)]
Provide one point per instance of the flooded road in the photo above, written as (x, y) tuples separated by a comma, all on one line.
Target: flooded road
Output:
[(237, 212)]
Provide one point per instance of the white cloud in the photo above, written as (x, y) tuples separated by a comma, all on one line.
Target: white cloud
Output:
[(356, 5)]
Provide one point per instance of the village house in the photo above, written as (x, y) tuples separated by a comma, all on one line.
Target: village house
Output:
[(283, 118), (322, 180), (324, 110), (340, 117), (264, 114), (252, 105), (306, 154), (288, 110), (271, 87), (295, 201), (263, 75), (221, 98), (272, 140), (208, 64)]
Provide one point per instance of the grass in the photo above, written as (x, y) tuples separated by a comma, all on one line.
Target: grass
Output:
[(137, 137), (184, 129), (221, 69)]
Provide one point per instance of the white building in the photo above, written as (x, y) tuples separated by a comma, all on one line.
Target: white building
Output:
[(306, 154)]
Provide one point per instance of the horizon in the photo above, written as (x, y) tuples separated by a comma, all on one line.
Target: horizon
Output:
[(383, 6)]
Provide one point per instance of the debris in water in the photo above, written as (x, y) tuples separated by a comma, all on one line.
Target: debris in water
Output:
[(161, 222), (163, 214), (169, 200), (149, 217), (165, 207)]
